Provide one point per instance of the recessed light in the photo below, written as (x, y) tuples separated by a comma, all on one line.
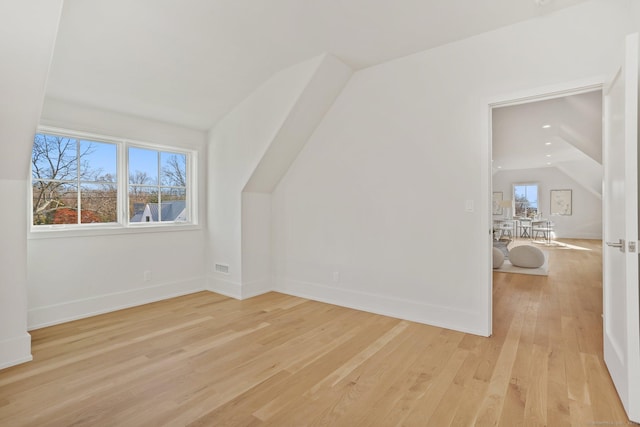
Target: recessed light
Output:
[(499, 167), (546, 126), (548, 155), (548, 163), (547, 143)]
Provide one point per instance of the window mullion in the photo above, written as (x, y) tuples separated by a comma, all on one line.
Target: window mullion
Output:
[(123, 182), (159, 186), (79, 197)]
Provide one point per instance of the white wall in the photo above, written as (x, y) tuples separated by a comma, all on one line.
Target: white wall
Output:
[(78, 276), (27, 36), (634, 7), (250, 150), (586, 221), (236, 145), (15, 342), (82, 117), (379, 192), (256, 243)]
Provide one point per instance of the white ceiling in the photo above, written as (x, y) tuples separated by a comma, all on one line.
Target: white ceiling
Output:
[(189, 62), (574, 132)]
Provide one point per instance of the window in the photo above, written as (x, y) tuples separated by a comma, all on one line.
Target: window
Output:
[(86, 181), (71, 176), (525, 197), (157, 186)]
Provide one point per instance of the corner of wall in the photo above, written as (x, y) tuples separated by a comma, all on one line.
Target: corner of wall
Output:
[(222, 286), (249, 151), (15, 350), (26, 59)]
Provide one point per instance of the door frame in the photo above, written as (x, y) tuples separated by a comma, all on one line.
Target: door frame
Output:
[(509, 99)]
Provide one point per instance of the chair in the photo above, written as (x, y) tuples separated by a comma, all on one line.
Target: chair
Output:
[(506, 228), (526, 228), (542, 227)]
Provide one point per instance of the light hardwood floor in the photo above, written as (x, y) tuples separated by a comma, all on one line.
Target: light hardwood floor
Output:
[(278, 360)]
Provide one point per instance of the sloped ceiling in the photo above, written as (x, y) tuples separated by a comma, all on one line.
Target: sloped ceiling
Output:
[(563, 133), (190, 62), (574, 130)]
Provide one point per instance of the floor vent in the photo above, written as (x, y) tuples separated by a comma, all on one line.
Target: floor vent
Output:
[(222, 268)]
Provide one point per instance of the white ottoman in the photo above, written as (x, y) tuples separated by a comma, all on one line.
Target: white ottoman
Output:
[(498, 258), (526, 256)]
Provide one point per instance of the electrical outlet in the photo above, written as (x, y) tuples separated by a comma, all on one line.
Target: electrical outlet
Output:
[(336, 276), (147, 275)]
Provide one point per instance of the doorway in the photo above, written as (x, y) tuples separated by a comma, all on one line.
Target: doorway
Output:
[(556, 320), (533, 151)]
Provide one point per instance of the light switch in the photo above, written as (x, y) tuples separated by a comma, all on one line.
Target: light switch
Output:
[(468, 206)]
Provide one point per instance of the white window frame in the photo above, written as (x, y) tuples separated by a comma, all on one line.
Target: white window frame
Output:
[(123, 225)]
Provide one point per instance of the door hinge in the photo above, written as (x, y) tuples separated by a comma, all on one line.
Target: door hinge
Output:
[(632, 246)]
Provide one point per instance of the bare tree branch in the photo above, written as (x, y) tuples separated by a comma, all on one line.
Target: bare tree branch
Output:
[(56, 173), (174, 173)]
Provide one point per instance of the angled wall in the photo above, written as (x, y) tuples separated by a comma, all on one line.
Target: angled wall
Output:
[(249, 151), (386, 208), (313, 102), (588, 118), (586, 172), (27, 36)]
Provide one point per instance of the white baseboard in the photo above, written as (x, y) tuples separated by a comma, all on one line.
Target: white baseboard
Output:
[(40, 317), (224, 287), (16, 350), (239, 290), (444, 317), (588, 236), (256, 287)]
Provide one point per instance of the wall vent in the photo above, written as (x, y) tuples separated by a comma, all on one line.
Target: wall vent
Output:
[(222, 268)]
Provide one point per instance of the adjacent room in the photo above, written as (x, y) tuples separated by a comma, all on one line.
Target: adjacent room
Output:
[(284, 213), (547, 173)]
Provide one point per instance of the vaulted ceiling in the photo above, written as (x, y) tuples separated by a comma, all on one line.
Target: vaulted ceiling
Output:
[(564, 133), (190, 62), (548, 133)]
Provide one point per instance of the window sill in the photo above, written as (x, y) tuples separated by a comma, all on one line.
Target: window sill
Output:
[(61, 232)]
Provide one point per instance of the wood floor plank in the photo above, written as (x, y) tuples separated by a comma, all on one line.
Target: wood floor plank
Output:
[(426, 405), (402, 378), (277, 360)]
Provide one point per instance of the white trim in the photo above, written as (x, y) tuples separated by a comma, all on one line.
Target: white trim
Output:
[(547, 92), (256, 287), (123, 145), (487, 216), (40, 317), (79, 134), (60, 231), (16, 350), (433, 315), (515, 98), (224, 287)]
